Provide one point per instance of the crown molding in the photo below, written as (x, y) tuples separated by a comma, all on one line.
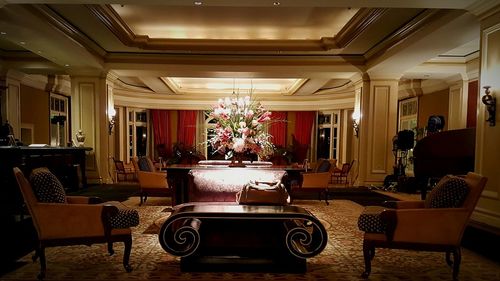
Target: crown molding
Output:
[(112, 20), (59, 23), (484, 8), (403, 33), (357, 24)]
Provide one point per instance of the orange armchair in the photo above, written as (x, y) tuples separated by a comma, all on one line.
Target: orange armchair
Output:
[(319, 178), (151, 182), (74, 220), (430, 225)]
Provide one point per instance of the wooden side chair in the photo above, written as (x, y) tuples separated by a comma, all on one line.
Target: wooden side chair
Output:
[(342, 175), (434, 224), (123, 171), (62, 220)]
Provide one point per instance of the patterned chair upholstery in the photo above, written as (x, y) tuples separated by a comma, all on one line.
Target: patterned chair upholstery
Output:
[(62, 220), (436, 224)]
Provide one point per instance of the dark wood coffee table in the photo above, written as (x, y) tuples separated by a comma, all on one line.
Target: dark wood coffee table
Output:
[(230, 237)]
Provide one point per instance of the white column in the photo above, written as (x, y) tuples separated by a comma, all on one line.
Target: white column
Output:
[(378, 108), (457, 112), (89, 114)]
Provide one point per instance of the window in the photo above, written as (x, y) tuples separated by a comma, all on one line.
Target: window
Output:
[(137, 132), (327, 136), (59, 128)]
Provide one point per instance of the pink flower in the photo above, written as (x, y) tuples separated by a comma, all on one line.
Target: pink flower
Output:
[(239, 145)]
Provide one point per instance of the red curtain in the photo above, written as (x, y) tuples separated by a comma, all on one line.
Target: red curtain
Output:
[(161, 129), (278, 128), (304, 121), (186, 128)]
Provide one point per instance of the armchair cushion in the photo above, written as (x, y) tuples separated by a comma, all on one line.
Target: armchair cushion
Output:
[(450, 192), (145, 164), (46, 186), (124, 218), (371, 220)]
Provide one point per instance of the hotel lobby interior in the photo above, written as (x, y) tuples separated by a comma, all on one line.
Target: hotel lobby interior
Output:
[(349, 102)]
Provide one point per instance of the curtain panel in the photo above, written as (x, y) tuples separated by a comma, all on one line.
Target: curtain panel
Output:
[(187, 127), (161, 129), (303, 126), (278, 128)]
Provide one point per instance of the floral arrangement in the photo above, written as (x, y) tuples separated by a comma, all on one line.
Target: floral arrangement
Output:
[(240, 127)]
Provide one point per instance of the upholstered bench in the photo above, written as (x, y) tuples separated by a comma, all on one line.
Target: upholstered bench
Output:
[(221, 185)]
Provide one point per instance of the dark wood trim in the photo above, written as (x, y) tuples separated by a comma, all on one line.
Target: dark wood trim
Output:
[(358, 24), (61, 24), (403, 33)]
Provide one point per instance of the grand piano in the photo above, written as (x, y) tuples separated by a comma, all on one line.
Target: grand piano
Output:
[(442, 153)]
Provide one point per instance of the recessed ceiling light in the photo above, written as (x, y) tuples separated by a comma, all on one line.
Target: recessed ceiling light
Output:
[(3, 32), (66, 65), (22, 43), (277, 3), (198, 3)]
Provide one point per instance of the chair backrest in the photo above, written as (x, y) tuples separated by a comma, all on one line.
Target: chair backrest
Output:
[(28, 195), (135, 164), (333, 165), (476, 184), (120, 167), (345, 168), (145, 164), (323, 165)]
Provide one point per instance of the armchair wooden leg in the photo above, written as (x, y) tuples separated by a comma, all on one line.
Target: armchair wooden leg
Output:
[(448, 258), (126, 254), (110, 248), (457, 258), (43, 264), (368, 254), (36, 254), (144, 197), (326, 197)]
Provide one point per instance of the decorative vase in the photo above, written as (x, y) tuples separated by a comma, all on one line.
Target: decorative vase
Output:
[(237, 161), (80, 138)]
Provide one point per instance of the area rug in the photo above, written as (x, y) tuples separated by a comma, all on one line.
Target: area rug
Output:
[(342, 259)]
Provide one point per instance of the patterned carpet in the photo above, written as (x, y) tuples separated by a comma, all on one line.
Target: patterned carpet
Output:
[(341, 260)]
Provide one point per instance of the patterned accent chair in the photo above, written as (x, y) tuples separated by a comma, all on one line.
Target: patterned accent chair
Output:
[(62, 220), (436, 224), (151, 182)]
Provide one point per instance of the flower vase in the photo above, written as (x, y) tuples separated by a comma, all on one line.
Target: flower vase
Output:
[(80, 138), (237, 161)]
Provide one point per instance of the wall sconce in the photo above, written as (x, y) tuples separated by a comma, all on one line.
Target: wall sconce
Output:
[(355, 122), (491, 105), (112, 119)]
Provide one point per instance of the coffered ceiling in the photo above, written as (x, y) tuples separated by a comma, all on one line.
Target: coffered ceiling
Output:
[(294, 49)]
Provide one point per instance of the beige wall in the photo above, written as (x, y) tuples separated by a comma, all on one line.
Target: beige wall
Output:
[(487, 137), (35, 111), (433, 104)]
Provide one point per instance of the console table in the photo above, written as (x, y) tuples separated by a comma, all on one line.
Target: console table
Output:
[(177, 176), (211, 236)]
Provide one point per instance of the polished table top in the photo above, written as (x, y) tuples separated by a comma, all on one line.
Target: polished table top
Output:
[(235, 209)]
